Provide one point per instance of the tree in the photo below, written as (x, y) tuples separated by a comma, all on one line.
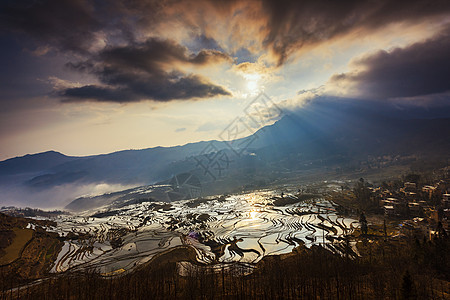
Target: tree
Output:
[(363, 223), (440, 230), (362, 192), (413, 178), (407, 286)]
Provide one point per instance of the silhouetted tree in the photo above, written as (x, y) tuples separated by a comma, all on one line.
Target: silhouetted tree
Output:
[(413, 178), (363, 223), (440, 230), (407, 287), (362, 192)]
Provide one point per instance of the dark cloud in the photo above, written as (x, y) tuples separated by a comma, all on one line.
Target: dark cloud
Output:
[(282, 26), (293, 25), (137, 89), (106, 36), (146, 71), (18, 73), (67, 24), (98, 93), (420, 69), (151, 55)]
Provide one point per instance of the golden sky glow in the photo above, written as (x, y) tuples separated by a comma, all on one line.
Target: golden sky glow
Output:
[(140, 74)]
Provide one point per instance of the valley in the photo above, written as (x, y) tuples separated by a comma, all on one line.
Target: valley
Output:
[(237, 228)]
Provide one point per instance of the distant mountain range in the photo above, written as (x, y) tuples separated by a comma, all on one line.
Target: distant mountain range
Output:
[(331, 135), (51, 168)]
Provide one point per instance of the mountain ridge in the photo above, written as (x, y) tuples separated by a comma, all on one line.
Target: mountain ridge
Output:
[(315, 136)]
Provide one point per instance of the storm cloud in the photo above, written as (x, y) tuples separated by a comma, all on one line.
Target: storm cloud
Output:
[(139, 71), (65, 64), (65, 24), (294, 25), (282, 27), (419, 69), (135, 48)]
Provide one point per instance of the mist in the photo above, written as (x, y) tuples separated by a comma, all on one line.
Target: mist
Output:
[(56, 197)]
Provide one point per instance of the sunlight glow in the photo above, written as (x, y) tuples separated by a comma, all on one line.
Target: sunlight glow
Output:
[(252, 82)]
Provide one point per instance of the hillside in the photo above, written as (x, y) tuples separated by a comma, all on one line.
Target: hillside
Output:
[(318, 138)]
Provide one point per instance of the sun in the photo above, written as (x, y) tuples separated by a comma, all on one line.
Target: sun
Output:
[(252, 86), (252, 81)]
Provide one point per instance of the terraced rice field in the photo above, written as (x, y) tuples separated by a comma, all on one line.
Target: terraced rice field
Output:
[(241, 228), (13, 251)]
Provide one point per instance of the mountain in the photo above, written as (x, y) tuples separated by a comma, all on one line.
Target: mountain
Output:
[(332, 136), (358, 135), (51, 168), (32, 163)]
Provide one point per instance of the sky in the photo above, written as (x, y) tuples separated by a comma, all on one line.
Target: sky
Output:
[(87, 77)]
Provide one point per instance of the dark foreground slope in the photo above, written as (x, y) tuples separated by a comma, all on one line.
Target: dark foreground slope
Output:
[(26, 253), (389, 270)]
